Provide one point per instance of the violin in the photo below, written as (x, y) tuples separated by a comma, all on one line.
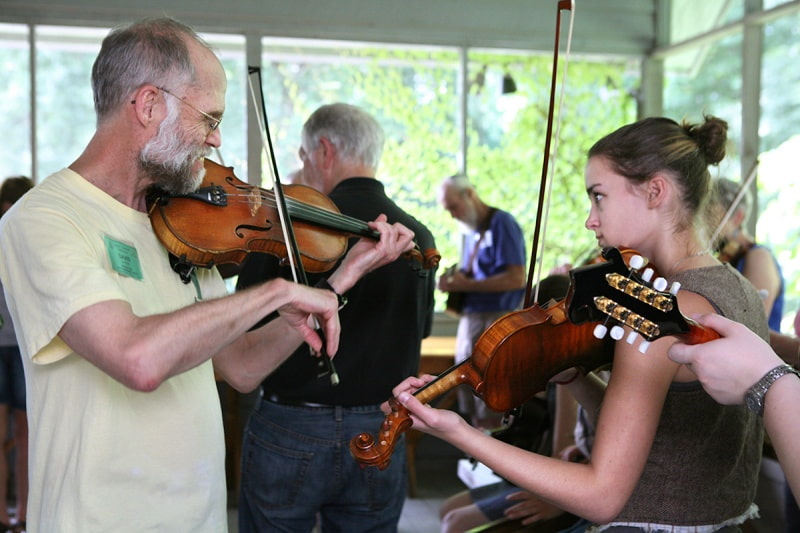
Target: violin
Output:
[(226, 219), (731, 251), (520, 352), (511, 361)]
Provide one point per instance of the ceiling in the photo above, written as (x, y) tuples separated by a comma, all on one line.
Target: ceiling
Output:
[(617, 27)]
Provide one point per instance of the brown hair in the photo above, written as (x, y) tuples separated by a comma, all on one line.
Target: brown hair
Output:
[(640, 150), (14, 187)]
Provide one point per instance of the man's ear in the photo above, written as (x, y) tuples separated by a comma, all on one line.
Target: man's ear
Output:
[(328, 151), (145, 105)]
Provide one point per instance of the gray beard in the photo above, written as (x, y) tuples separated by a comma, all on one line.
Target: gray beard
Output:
[(175, 179)]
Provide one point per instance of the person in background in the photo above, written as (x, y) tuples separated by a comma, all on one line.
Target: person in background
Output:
[(12, 388), (490, 278), (741, 368), (120, 355), (756, 263), (665, 456), (737, 247), (296, 462)]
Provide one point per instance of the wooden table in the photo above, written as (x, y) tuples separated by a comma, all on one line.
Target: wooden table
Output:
[(437, 355)]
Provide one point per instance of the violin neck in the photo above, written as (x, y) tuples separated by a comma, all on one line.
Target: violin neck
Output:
[(329, 220), (457, 374)]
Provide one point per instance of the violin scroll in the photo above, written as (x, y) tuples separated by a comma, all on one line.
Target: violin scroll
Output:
[(371, 452), (430, 258), (377, 451)]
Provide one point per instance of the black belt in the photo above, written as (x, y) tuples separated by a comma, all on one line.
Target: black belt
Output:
[(277, 398)]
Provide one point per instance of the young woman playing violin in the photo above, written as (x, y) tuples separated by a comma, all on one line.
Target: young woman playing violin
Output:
[(666, 456), (737, 247)]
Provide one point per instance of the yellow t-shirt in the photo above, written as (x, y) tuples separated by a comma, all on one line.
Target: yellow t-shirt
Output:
[(104, 457)]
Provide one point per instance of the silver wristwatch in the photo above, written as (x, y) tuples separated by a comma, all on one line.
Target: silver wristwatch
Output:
[(754, 397)]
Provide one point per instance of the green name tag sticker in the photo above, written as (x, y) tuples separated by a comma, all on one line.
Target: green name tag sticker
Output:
[(124, 258)]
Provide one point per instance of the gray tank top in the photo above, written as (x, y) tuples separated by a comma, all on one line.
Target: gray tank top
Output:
[(704, 462)]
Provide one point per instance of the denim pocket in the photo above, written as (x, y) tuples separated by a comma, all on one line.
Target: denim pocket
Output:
[(276, 471)]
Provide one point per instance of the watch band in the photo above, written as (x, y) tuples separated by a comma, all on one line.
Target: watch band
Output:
[(754, 397), (324, 284)]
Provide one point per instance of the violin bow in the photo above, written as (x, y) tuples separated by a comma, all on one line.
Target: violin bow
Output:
[(535, 266), (298, 272)]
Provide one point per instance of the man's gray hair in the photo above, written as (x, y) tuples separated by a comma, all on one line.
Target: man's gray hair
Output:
[(357, 136), (150, 51), (458, 182)]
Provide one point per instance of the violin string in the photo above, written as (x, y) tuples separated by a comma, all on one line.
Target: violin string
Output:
[(313, 214)]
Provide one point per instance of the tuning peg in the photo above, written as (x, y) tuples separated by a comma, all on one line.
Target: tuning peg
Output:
[(600, 331), (617, 333), (644, 346), (660, 284), (676, 286), (648, 273), (631, 338), (636, 262)]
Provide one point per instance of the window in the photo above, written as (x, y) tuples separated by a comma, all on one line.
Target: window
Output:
[(15, 150), (414, 93), (411, 91), (708, 81), (233, 152), (507, 137), (65, 119), (778, 184)]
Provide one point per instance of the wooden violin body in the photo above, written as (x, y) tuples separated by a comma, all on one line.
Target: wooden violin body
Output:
[(226, 219)]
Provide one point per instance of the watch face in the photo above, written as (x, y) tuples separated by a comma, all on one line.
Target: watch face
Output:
[(752, 402)]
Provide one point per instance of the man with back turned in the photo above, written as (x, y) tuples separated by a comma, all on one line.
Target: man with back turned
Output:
[(296, 460)]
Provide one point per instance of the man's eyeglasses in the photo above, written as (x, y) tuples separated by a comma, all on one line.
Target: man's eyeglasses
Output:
[(213, 123)]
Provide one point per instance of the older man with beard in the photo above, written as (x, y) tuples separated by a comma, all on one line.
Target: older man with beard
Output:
[(491, 276), (119, 354)]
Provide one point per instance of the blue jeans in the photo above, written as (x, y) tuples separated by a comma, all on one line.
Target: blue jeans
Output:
[(296, 463)]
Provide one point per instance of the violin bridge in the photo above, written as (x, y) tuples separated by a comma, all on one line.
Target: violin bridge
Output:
[(254, 199)]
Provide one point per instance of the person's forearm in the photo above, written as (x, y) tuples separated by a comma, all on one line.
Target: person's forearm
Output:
[(266, 349), (228, 318), (780, 406)]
